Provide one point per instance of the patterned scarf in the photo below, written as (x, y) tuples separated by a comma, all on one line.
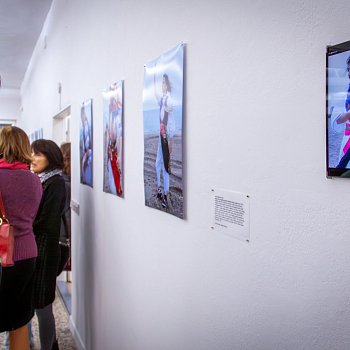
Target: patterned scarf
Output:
[(44, 176)]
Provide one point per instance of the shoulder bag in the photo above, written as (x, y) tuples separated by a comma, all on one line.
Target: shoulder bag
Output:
[(6, 238)]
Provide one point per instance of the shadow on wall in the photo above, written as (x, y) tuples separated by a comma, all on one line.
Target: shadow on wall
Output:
[(86, 280)]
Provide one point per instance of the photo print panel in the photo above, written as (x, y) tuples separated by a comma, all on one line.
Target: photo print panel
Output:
[(86, 143), (162, 120), (338, 110), (36, 135), (113, 139)]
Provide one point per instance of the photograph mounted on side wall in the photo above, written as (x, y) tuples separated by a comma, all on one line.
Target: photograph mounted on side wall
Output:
[(86, 144), (113, 139), (36, 135), (338, 110), (162, 120)]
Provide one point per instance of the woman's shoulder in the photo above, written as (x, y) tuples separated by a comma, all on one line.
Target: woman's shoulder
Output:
[(66, 178), (55, 185), (19, 174), (55, 180), (34, 176), (21, 180)]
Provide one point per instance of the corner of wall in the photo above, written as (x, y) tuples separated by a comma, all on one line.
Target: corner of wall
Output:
[(76, 336)]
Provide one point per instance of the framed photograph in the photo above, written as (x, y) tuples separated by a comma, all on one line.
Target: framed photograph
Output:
[(163, 120), (36, 135), (113, 139), (86, 143), (338, 110)]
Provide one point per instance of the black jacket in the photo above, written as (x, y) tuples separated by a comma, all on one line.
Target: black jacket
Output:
[(47, 231)]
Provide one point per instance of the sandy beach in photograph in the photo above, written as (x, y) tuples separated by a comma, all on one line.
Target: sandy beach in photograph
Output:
[(334, 143), (175, 198)]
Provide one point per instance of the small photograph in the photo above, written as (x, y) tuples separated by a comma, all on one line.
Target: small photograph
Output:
[(338, 110), (162, 117), (36, 135), (113, 139), (86, 144)]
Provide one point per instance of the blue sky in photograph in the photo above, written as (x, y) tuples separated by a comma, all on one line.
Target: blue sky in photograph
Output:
[(170, 63)]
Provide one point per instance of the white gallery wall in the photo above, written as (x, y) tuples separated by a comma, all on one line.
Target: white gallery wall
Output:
[(255, 123), (10, 104)]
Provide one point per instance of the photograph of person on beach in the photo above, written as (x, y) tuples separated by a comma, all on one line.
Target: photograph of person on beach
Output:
[(162, 115), (86, 155), (339, 110), (113, 139)]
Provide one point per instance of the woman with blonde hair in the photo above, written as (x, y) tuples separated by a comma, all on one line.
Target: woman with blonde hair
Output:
[(21, 192)]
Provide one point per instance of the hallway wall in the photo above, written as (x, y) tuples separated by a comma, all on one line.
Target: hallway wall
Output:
[(255, 123), (10, 103)]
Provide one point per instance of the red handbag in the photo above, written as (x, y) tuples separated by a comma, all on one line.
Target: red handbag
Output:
[(6, 238)]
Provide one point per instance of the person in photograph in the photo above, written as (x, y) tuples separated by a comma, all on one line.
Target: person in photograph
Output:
[(47, 164), (341, 123), (65, 232), (21, 192), (114, 145), (86, 156), (166, 135)]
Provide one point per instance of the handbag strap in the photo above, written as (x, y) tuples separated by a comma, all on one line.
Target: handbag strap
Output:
[(2, 209)]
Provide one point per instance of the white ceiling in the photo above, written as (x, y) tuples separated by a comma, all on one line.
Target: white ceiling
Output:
[(21, 22)]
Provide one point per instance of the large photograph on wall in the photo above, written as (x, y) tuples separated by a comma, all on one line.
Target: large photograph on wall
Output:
[(338, 110), (163, 120), (113, 139), (86, 154)]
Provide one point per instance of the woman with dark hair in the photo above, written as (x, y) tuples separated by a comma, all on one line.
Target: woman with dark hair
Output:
[(21, 192), (166, 135), (47, 163)]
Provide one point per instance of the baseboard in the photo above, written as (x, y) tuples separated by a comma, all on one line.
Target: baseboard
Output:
[(65, 295), (78, 342)]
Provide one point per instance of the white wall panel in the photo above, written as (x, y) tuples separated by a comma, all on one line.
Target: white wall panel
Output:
[(255, 123)]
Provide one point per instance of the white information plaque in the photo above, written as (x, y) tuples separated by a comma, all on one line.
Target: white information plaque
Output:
[(231, 213)]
